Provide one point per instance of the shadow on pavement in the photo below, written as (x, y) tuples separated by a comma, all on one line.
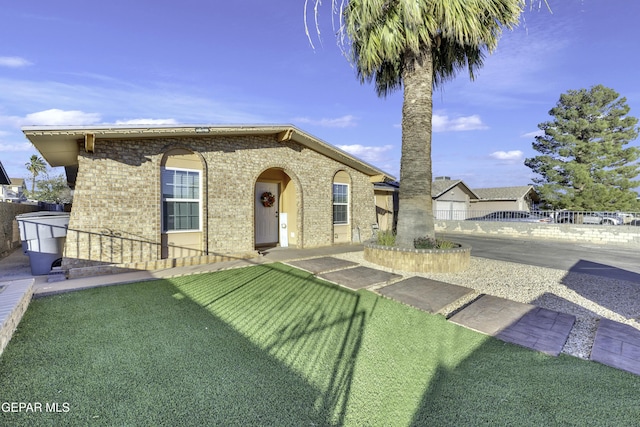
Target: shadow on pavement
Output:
[(609, 287), (603, 270)]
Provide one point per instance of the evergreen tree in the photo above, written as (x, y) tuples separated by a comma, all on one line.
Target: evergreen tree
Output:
[(584, 161), (54, 190)]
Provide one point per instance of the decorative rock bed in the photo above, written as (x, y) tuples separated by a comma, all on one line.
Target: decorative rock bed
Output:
[(419, 260)]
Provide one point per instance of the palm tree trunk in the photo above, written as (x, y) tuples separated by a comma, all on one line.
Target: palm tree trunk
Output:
[(415, 212)]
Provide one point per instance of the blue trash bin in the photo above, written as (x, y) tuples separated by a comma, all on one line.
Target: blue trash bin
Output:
[(42, 235)]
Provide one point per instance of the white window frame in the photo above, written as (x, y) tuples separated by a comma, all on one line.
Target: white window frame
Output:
[(347, 204), (164, 200)]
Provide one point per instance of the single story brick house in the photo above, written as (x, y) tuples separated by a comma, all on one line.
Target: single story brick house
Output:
[(157, 196)]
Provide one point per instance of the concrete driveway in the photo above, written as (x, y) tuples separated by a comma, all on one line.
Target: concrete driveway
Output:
[(616, 262)]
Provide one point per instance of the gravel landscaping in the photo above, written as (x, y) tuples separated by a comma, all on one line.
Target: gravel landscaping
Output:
[(585, 296)]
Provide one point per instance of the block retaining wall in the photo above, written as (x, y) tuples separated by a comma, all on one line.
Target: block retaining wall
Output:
[(623, 235), (14, 300), (159, 264), (419, 260)]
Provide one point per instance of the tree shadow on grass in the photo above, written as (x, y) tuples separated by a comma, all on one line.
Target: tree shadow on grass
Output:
[(504, 384), (312, 327), (266, 345)]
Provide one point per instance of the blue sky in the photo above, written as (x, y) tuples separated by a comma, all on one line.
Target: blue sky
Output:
[(73, 62)]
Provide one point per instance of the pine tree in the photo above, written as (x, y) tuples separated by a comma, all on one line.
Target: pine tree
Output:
[(583, 162)]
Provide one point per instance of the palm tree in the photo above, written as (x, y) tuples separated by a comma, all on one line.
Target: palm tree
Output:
[(35, 166), (419, 45)]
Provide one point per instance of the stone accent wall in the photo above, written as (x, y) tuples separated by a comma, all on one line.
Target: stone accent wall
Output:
[(419, 260), (116, 215), (9, 231), (625, 235), (14, 300)]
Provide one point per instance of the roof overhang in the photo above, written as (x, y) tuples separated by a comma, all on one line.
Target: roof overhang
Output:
[(60, 146), (522, 192)]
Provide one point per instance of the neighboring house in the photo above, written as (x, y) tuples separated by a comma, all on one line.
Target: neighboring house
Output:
[(166, 192), (386, 200), (13, 191), (521, 198), (451, 198)]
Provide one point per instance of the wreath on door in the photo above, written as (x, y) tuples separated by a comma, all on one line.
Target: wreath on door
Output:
[(267, 199)]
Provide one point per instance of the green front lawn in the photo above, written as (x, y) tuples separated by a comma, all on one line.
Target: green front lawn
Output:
[(272, 345)]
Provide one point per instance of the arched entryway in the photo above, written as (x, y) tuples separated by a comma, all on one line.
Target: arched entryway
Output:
[(275, 210)]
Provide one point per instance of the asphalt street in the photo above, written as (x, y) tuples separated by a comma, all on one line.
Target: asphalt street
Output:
[(602, 260)]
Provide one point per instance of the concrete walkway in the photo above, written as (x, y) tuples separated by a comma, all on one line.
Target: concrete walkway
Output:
[(616, 345)]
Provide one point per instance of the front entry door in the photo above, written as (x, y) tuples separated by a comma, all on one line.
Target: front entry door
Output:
[(266, 217)]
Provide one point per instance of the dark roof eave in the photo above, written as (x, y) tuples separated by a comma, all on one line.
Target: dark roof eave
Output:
[(4, 178)]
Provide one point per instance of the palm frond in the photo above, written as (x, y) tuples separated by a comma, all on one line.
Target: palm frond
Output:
[(378, 36)]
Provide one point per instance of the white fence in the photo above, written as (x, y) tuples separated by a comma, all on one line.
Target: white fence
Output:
[(558, 217)]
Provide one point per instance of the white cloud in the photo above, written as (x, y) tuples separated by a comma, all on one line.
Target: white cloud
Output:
[(533, 134), (371, 154), (339, 122), (187, 104), (442, 123), (56, 117), (510, 156), (13, 62), (147, 122), (24, 146)]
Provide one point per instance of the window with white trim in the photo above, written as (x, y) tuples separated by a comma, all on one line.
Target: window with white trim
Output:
[(181, 199), (340, 203)]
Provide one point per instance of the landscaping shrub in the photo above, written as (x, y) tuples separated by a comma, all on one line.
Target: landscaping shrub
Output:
[(431, 243), (386, 238)]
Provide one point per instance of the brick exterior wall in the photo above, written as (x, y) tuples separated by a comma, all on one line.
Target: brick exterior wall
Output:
[(9, 231), (116, 215)]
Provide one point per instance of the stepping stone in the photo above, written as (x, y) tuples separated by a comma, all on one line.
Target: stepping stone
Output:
[(540, 329), (518, 323), (425, 294), (617, 345), (323, 264), (359, 277)]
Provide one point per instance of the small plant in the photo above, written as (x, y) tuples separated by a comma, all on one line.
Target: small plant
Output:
[(446, 244), (425, 243), (431, 243), (386, 238)]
